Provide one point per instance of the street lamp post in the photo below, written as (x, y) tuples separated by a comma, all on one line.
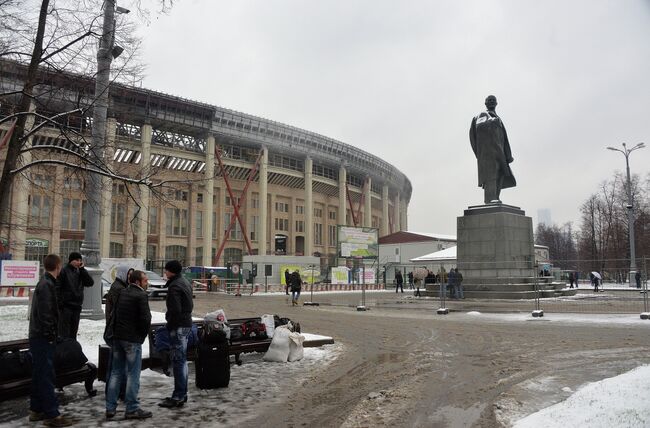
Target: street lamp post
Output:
[(90, 248), (630, 214)]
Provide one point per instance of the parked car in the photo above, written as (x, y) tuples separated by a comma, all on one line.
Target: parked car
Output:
[(157, 285)]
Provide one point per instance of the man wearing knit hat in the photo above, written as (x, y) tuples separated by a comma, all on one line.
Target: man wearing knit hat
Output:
[(70, 294), (179, 324)]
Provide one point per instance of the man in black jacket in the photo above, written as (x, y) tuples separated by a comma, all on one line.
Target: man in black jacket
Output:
[(43, 324), (131, 326), (179, 323), (71, 282)]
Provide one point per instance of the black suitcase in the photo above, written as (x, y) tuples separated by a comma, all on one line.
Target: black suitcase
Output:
[(212, 365)]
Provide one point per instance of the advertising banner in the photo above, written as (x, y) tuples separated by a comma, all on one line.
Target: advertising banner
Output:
[(340, 275), (19, 273), (361, 242)]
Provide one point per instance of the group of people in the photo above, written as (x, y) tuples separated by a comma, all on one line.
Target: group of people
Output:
[(452, 281), (55, 312), (293, 282)]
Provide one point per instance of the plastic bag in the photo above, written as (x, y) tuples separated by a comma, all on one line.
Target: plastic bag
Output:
[(296, 350), (269, 321), (216, 324), (279, 349)]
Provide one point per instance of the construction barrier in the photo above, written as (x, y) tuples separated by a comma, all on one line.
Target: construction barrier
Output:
[(6, 291), (21, 291)]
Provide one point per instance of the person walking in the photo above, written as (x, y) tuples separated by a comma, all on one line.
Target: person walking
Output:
[(399, 281), (287, 281), (637, 278), (179, 324), (571, 279), (71, 283), (132, 320), (43, 327), (410, 278), (458, 285), (296, 286)]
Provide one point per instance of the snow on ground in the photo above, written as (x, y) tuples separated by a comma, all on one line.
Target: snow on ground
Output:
[(253, 385), (563, 318), (618, 401)]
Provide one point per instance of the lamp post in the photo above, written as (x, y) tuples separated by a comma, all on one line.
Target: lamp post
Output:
[(630, 215), (90, 248)]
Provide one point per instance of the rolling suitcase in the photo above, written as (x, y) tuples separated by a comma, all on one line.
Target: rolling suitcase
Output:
[(212, 365)]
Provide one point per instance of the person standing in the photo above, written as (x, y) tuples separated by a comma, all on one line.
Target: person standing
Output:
[(399, 281), (43, 327), (179, 324), (296, 287), (131, 327), (410, 278), (120, 283), (71, 282), (458, 285), (451, 283), (637, 277), (571, 279), (287, 281)]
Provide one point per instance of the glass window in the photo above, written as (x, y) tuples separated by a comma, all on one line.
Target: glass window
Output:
[(198, 217), (235, 232), (176, 222), (153, 220), (118, 213), (318, 234), (115, 250), (253, 227), (67, 246), (39, 212), (176, 252)]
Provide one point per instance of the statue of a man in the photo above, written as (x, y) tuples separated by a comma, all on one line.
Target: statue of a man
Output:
[(492, 149)]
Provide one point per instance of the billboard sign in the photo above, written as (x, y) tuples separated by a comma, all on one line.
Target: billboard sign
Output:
[(359, 242), (19, 273)]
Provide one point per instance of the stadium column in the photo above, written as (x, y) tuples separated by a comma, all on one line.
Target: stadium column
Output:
[(191, 224), (397, 208), (384, 211), (107, 191), (20, 201), (402, 216), (342, 215), (309, 207), (143, 215), (367, 209), (208, 202), (264, 207)]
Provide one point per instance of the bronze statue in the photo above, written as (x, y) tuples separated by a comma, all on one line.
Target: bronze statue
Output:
[(489, 141)]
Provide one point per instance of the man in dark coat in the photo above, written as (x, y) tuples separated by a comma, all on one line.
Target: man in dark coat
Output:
[(120, 283), (131, 326), (43, 327), (287, 281), (490, 144), (399, 281), (72, 280), (179, 323)]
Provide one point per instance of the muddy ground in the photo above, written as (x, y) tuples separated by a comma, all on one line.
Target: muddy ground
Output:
[(403, 365)]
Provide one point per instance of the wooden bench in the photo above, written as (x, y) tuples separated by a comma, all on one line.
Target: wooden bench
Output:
[(19, 387)]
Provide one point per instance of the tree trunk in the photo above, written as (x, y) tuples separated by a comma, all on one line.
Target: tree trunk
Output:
[(15, 143)]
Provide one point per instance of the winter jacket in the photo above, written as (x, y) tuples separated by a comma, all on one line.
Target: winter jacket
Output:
[(118, 285), (132, 315), (71, 283), (179, 303), (44, 317), (296, 282)]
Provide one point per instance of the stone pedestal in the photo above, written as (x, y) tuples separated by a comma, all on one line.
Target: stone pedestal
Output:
[(495, 252)]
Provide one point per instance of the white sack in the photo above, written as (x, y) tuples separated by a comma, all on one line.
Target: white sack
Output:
[(296, 350), (279, 349), (269, 322)]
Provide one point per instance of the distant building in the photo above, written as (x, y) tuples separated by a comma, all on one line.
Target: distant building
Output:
[(544, 216)]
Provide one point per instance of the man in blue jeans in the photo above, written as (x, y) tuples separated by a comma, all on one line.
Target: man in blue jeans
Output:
[(179, 324), (131, 319), (43, 326)]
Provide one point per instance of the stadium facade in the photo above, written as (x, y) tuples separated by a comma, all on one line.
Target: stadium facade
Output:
[(302, 185)]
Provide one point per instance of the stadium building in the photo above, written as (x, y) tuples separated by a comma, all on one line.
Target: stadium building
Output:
[(298, 185)]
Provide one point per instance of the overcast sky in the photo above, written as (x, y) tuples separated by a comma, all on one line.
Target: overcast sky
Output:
[(402, 80)]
